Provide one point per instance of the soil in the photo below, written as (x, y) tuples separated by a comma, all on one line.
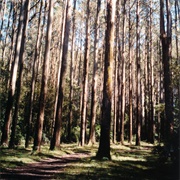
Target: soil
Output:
[(45, 169)]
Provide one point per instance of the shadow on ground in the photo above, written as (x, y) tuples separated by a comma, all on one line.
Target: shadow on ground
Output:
[(46, 169), (136, 163)]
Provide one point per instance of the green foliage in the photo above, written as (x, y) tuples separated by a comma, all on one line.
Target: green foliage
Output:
[(75, 135), (98, 132), (18, 136), (159, 107)]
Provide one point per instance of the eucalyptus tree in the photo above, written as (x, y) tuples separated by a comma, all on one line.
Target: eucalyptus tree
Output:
[(71, 74), (55, 141), (13, 78), (138, 93), (166, 40), (92, 137), (21, 68), (123, 86), (85, 77), (104, 146), (34, 75), (44, 81)]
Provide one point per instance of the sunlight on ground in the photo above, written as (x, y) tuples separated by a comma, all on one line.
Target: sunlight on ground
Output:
[(122, 158)]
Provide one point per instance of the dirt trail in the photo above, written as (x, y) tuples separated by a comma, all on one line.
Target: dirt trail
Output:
[(45, 169)]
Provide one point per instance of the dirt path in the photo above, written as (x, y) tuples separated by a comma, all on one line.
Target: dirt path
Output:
[(45, 169)]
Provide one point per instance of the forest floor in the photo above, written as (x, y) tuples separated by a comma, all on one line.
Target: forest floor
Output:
[(74, 162)]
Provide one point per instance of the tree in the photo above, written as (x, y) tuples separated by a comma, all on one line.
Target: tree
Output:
[(166, 38), (34, 75), (71, 75), (104, 146), (92, 137), (13, 79), (55, 141), (19, 82), (85, 78), (138, 96), (123, 86), (44, 81), (130, 77)]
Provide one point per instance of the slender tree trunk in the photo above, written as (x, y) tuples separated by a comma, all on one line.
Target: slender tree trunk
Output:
[(166, 37), (117, 91), (34, 73), (85, 77), (116, 63), (13, 40), (138, 93), (44, 87), (177, 20), (92, 137), (60, 60), (12, 86), (130, 79), (71, 76), (104, 146), (123, 86), (6, 36), (19, 82), (4, 3), (55, 141), (151, 138)]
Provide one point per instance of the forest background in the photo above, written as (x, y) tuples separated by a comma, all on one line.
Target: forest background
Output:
[(52, 80)]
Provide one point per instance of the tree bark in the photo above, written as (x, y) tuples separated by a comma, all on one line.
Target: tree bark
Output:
[(13, 79), (19, 81), (55, 141), (130, 79), (138, 104), (104, 146), (85, 78), (92, 138), (44, 87), (123, 86), (166, 38), (71, 75), (34, 73)]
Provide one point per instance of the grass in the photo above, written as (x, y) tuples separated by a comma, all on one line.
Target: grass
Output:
[(11, 158), (128, 162)]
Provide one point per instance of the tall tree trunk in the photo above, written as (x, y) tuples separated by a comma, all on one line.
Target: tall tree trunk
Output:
[(19, 82), (166, 37), (117, 89), (151, 125), (3, 6), (13, 40), (92, 137), (63, 21), (71, 75), (116, 64), (130, 79), (85, 78), (44, 87), (123, 86), (4, 45), (34, 73), (55, 141), (138, 93), (177, 20), (13, 78), (104, 146)]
